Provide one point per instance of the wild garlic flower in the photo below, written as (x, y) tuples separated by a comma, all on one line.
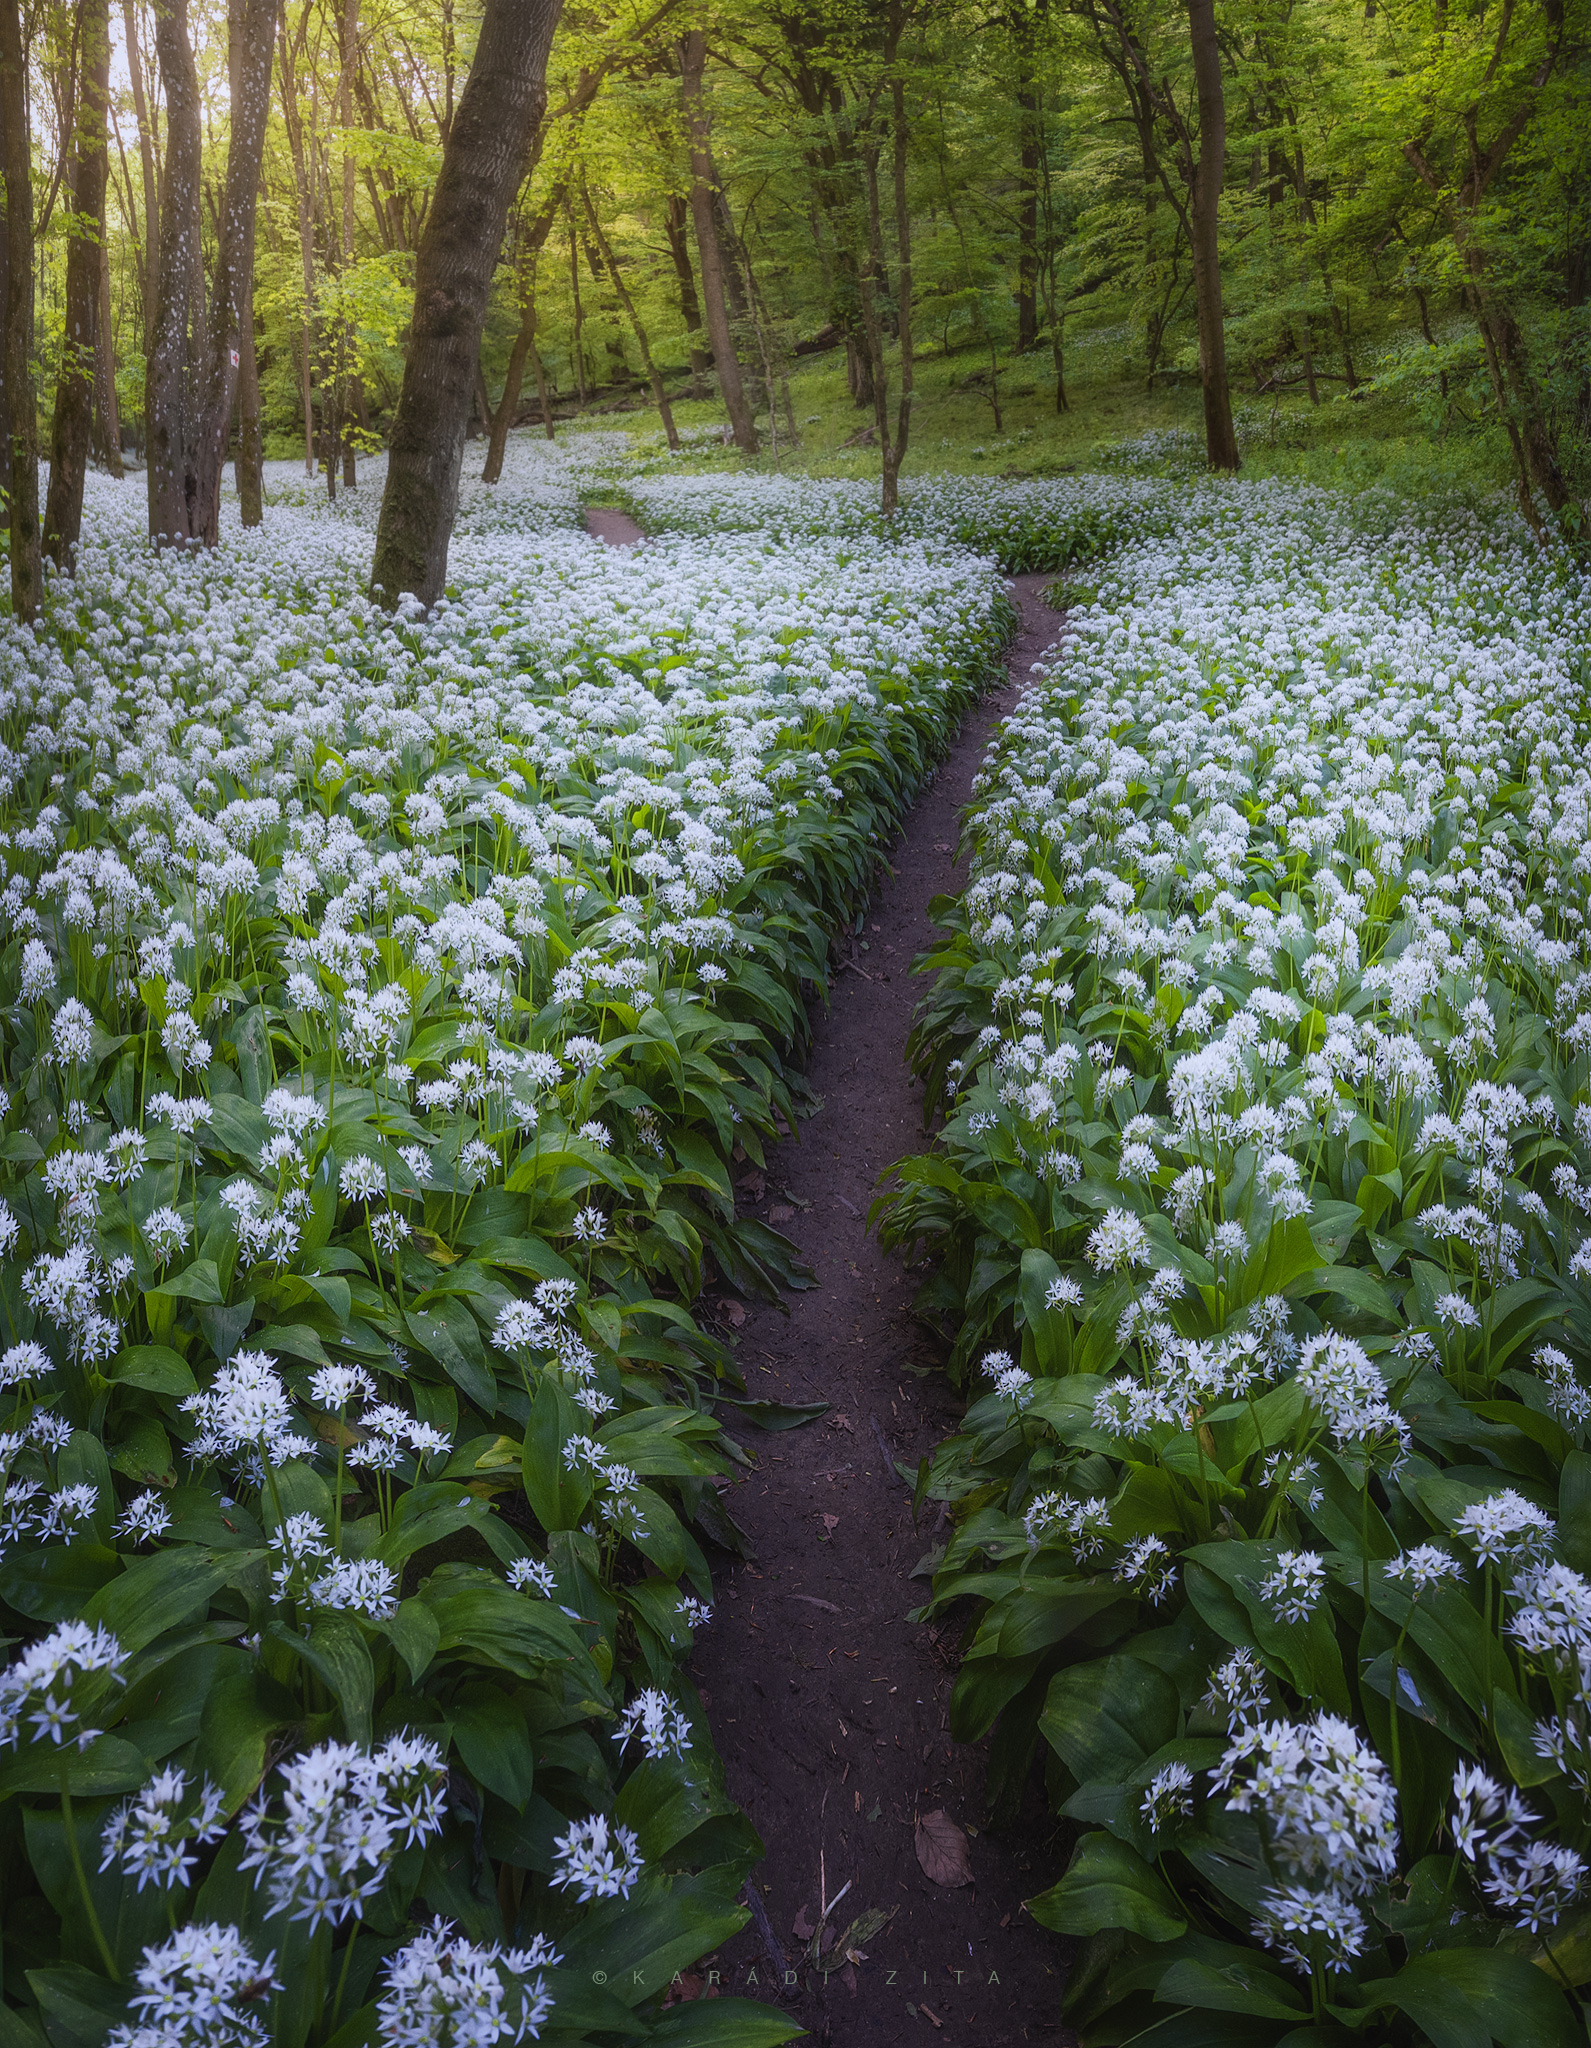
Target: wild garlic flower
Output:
[(594, 1860), (345, 1814), (531, 1575), (1239, 1690), (659, 1724), (48, 1690), (156, 1835), (1424, 1566), (1169, 1798), (1292, 1591), (196, 1990), (445, 1991), (1326, 1801), (1505, 1529)]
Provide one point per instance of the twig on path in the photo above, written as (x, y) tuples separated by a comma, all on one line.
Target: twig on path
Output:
[(770, 1940), (812, 1600), (890, 1466)]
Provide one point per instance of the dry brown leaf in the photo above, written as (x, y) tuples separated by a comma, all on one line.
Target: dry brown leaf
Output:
[(802, 1926), (781, 1212), (942, 1849), (735, 1313)]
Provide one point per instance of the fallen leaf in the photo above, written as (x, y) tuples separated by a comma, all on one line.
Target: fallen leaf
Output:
[(830, 1524), (801, 1926), (781, 1212), (874, 1814), (943, 846), (735, 1313), (842, 1421), (942, 1849), (848, 1979)]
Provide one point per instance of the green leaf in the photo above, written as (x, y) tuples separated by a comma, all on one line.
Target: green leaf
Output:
[(493, 1742), (198, 1282), (723, 2023), (79, 2008), (1109, 1885), (1104, 1719), (1240, 1987), (336, 1651), (1469, 1998), (153, 1594), (156, 1368)]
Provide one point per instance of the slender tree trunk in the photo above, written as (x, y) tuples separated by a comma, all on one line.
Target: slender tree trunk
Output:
[(574, 288), (483, 160), (146, 157), (73, 425), (895, 448), (524, 349), (248, 465), (541, 391), (110, 424), (605, 250), (250, 29), (169, 407), (5, 299), (675, 216), (725, 361), (350, 58), (1219, 437), (27, 567), (1027, 218), (303, 194)]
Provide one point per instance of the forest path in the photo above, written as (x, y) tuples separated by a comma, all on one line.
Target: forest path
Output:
[(830, 1709)]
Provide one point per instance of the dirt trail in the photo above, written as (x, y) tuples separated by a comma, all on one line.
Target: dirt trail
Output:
[(608, 523), (830, 1709)]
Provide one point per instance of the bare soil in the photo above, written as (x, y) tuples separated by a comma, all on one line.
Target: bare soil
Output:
[(830, 1708)]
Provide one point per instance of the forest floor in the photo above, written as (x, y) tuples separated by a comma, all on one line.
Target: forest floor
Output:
[(829, 1707)]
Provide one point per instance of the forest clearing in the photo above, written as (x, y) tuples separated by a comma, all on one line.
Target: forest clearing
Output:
[(795, 1147)]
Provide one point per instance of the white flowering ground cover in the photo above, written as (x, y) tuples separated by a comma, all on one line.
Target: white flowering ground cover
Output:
[(382, 1003), (1263, 1212)]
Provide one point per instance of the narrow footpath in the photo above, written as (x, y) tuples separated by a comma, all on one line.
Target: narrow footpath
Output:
[(829, 1708)]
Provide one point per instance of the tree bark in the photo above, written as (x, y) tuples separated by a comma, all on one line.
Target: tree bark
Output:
[(1205, 193), (22, 498), (110, 423), (675, 215), (348, 36), (5, 300), (483, 160), (250, 33), (304, 198), (146, 156), (73, 423), (248, 464), (169, 403), (605, 250), (716, 312)]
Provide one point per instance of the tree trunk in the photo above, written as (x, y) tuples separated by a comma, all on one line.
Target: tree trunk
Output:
[(304, 197), (725, 361), (250, 33), (27, 567), (574, 289), (605, 249), (146, 157), (73, 424), (499, 422), (895, 449), (483, 160), (5, 300), (110, 423), (168, 406), (248, 465), (1219, 437), (676, 214), (1027, 213), (348, 36)]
